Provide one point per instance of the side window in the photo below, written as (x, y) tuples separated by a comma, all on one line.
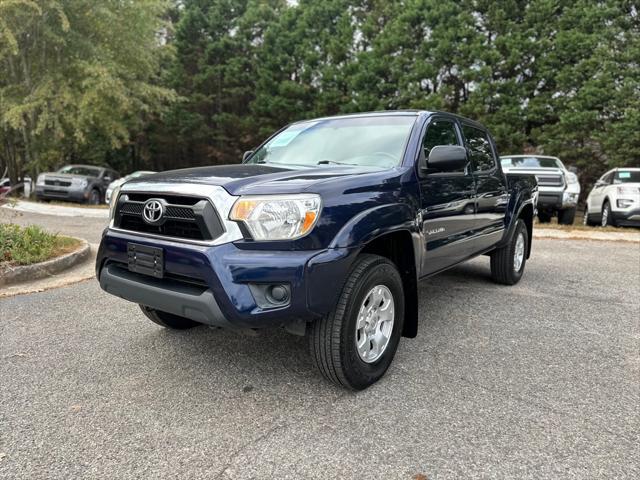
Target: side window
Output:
[(607, 178), (439, 132), (479, 148)]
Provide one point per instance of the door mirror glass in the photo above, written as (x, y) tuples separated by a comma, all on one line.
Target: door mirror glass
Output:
[(246, 155), (447, 158)]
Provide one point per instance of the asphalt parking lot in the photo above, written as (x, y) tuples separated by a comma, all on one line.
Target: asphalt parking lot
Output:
[(540, 380)]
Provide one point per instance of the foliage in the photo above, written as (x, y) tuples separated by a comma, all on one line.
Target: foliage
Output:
[(27, 245), (77, 78)]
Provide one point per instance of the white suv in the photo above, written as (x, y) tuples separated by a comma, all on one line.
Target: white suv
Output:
[(615, 199)]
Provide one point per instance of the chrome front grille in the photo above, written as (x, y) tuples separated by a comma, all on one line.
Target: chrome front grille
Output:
[(550, 180)]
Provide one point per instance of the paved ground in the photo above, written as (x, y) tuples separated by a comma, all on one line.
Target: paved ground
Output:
[(540, 380), (88, 228)]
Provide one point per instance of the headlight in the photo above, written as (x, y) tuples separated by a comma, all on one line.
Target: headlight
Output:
[(628, 190), (40, 180), (114, 201), (277, 217), (79, 182), (571, 177)]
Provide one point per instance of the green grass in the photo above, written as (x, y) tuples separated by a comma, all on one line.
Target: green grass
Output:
[(27, 245)]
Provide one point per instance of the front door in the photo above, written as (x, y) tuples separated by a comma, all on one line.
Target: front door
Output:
[(447, 202)]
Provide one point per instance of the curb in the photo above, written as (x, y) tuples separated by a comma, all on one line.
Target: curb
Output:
[(553, 234), (27, 273), (57, 210)]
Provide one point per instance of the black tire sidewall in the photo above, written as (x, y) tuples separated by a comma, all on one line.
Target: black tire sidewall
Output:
[(520, 228), (94, 197), (359, 373), (609, 222)]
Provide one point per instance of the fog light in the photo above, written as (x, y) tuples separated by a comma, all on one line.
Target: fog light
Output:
[(624, 203), (271, 295), (278, 294)]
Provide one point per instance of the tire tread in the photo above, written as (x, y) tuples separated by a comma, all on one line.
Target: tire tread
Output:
[(324, 347)]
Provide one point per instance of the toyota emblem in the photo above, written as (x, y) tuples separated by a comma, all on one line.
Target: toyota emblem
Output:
[(153, 211)]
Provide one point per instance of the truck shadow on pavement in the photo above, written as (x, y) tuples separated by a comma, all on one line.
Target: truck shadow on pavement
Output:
[(273, 358)]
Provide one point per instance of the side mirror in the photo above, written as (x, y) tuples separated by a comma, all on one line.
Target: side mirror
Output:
[(447, 158), (107, 179), (573, 169), (600, 183), (246, 155)]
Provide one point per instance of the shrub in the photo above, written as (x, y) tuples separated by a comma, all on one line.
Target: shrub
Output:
[(26, 245)]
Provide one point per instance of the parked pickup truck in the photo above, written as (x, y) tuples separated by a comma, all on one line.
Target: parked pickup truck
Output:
[(559, 186), (325, 229)]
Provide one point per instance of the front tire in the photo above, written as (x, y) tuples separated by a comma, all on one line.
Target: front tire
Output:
[(94, 197), (354, 345), (168, 320), (544, 217), (607, 217), (586, 219), (567, 216), (507, 263)]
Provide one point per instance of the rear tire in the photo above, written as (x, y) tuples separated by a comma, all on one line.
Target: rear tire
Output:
[(567, 216), (507, 263), (168, 320), (353, 346), (544, 217)]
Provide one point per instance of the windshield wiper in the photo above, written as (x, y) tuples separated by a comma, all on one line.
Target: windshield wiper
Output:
[(333, 162)]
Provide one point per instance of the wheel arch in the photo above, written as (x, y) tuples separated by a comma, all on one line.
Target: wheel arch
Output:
[(398, 247)]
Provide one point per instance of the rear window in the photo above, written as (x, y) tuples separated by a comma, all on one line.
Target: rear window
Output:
[(531, 162), (627, 176)]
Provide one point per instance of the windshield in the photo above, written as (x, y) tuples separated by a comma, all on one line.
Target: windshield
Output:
[(363, 141), (627, 176), (531, 162), (80, 170)]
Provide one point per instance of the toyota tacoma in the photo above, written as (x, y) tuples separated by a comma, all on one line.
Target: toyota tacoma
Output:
[(324, 230)]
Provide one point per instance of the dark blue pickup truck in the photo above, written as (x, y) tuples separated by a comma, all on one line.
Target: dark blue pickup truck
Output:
[(324, 230)]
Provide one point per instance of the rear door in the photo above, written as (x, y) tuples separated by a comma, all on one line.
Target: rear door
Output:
[(447, 202), (491, 189)]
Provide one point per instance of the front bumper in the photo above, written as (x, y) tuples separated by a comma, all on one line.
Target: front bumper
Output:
[(60, 193), (553, 199), (213, 284), (626, 218)]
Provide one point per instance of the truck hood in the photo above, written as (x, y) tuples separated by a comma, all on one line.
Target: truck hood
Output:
[(257, 179)]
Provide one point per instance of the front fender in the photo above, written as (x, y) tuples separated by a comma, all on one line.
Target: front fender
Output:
[(373, 223)]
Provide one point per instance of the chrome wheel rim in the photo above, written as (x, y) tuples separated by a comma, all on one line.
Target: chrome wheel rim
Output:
[(375, 323), (605, 216), (518, 256)]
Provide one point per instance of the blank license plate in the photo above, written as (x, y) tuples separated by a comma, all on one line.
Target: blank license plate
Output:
[(145, 260)]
